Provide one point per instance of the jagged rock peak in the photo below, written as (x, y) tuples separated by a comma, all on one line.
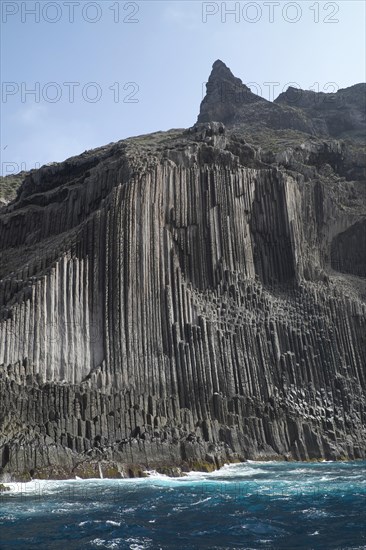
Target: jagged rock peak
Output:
[(331, 113), (222, 71), (225, 93)]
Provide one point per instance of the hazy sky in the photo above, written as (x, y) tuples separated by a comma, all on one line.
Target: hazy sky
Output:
[(103, 71)]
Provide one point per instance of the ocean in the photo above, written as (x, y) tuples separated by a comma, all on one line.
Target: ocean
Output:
[(255, 505)]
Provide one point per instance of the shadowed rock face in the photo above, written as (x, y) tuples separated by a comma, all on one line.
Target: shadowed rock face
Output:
[(226, 96), (339, 115), (186, 298)]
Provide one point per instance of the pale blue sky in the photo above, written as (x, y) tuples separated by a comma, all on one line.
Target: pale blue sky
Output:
[(167, 54)]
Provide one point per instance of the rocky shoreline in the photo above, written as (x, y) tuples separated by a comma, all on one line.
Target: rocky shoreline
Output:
[(112, 470)]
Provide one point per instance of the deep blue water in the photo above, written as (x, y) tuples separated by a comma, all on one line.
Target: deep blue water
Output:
[(273, 505)]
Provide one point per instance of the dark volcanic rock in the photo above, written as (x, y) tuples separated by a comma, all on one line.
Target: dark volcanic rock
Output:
[(338, 115), (186, 298), (225, 96), (230, 101), (341, 114)]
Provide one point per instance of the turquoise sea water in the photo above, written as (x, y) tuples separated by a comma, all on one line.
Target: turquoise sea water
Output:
[(273, 505)]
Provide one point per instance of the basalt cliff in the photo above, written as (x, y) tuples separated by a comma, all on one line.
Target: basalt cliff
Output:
[(192, 297)]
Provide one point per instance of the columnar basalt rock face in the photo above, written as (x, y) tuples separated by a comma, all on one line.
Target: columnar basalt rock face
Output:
[(184, 299)]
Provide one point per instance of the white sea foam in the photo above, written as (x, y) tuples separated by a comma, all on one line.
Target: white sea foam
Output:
[(48, 487), (302, 471), (315, 513), (83, 523), (156, 475), (113, 543), (261, 462), (329, 477), (201, 501), (226, 473), (139, 544), (44, 486), (250, 471), (97, 542), (7, 518), (89, 521)]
